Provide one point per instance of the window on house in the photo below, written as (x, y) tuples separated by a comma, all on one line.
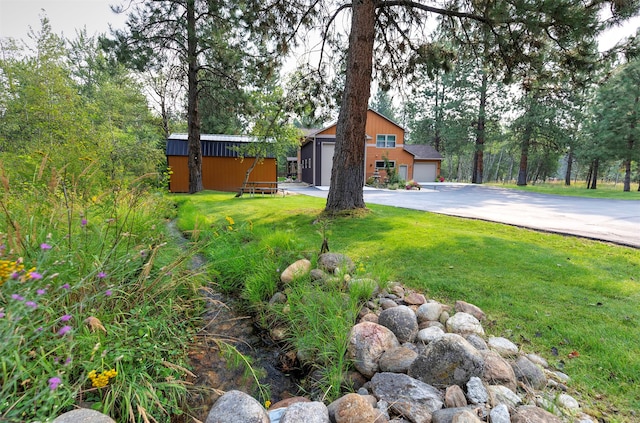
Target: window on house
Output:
[(380, 164), (385, 141)]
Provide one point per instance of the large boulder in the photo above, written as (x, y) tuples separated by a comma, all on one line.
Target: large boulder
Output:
[(529, 373), (397, 360), (497, 370), (402, 321), (83, 415), (354, 408), (295, 270), (475, 311), (332, 262), (308, 412), (463, 323), (533, 414), (449, 360), (407, 396), (367, 342), (236, 406)]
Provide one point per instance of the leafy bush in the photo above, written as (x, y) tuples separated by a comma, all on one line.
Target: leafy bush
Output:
[(86, 288)]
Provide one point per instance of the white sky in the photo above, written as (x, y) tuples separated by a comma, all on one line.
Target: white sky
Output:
[(16, 16), (65, 16)]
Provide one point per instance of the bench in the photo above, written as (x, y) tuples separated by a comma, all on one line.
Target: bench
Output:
[(252, 188)]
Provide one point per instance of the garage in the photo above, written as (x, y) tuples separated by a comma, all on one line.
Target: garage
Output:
[(425, 172)]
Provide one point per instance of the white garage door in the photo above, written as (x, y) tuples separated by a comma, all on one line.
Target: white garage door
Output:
[(424, 172), (327, 164)]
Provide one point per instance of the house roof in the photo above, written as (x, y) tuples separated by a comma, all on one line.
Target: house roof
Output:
[(213, 145), (423, 151)]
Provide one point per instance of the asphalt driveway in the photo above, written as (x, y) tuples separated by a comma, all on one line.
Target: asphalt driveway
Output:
[(616, 221)]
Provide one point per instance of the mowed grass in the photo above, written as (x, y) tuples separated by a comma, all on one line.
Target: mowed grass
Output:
[(545, 292), (579, 189)]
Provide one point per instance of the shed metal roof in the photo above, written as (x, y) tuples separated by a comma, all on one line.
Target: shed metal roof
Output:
[(213, 145)]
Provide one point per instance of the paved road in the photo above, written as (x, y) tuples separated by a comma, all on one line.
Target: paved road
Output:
[(616, 221)]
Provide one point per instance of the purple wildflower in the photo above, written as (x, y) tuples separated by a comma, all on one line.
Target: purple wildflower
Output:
[(41, 291), (108, 293), (63, 330), (45, 246), (31, 304), (54, 382), (65, 318), (83, 222), (39, 329), (35, 275), (17, 297), (67, 361), (66, 286), (2, 315), (15, 275), (102, 275)]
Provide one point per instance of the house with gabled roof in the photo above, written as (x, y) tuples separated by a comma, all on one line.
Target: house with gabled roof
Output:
[(384, 139)]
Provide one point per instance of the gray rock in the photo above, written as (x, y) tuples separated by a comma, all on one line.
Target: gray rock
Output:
[(429, 311), (499, 394), (466, 416), (386, 303), (462, 323), (367, 342), (406, 396), (454, 397), (536, 359), (429, 334), (449, 360), (429, 324), (295, 270), (317, 274), (528, 373), (83, 415), (308, 412), (533, 414), (444, 316), (500, 414), (402, 322), (502, 346), (370, 317), (476, 341), (397, 360), (568, 402), (235, 406), (497, 370), (329, 262), (447, 415), (462, 306), (476, 392), (278, 298)]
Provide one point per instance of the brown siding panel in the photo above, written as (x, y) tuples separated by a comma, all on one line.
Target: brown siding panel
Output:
[(179, 178), (220, 173)]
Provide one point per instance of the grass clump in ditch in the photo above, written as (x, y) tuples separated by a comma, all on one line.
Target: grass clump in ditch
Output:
[(88, 283), (550, 294)]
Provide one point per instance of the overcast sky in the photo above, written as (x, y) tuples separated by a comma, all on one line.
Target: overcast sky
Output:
[(16, 16)]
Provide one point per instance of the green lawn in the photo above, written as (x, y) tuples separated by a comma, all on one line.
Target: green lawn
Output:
[(542, 291), (604, 190)]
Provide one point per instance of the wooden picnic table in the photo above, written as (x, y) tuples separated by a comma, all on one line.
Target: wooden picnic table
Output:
[(260, 187)]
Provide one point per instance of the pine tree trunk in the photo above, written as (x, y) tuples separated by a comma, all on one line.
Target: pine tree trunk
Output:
[(193, 117), (567, 175), (347, 174), (594, 174), (478, 156)]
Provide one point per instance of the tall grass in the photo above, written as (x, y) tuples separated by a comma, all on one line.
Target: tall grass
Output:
[(548, 293), (89, 284)]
